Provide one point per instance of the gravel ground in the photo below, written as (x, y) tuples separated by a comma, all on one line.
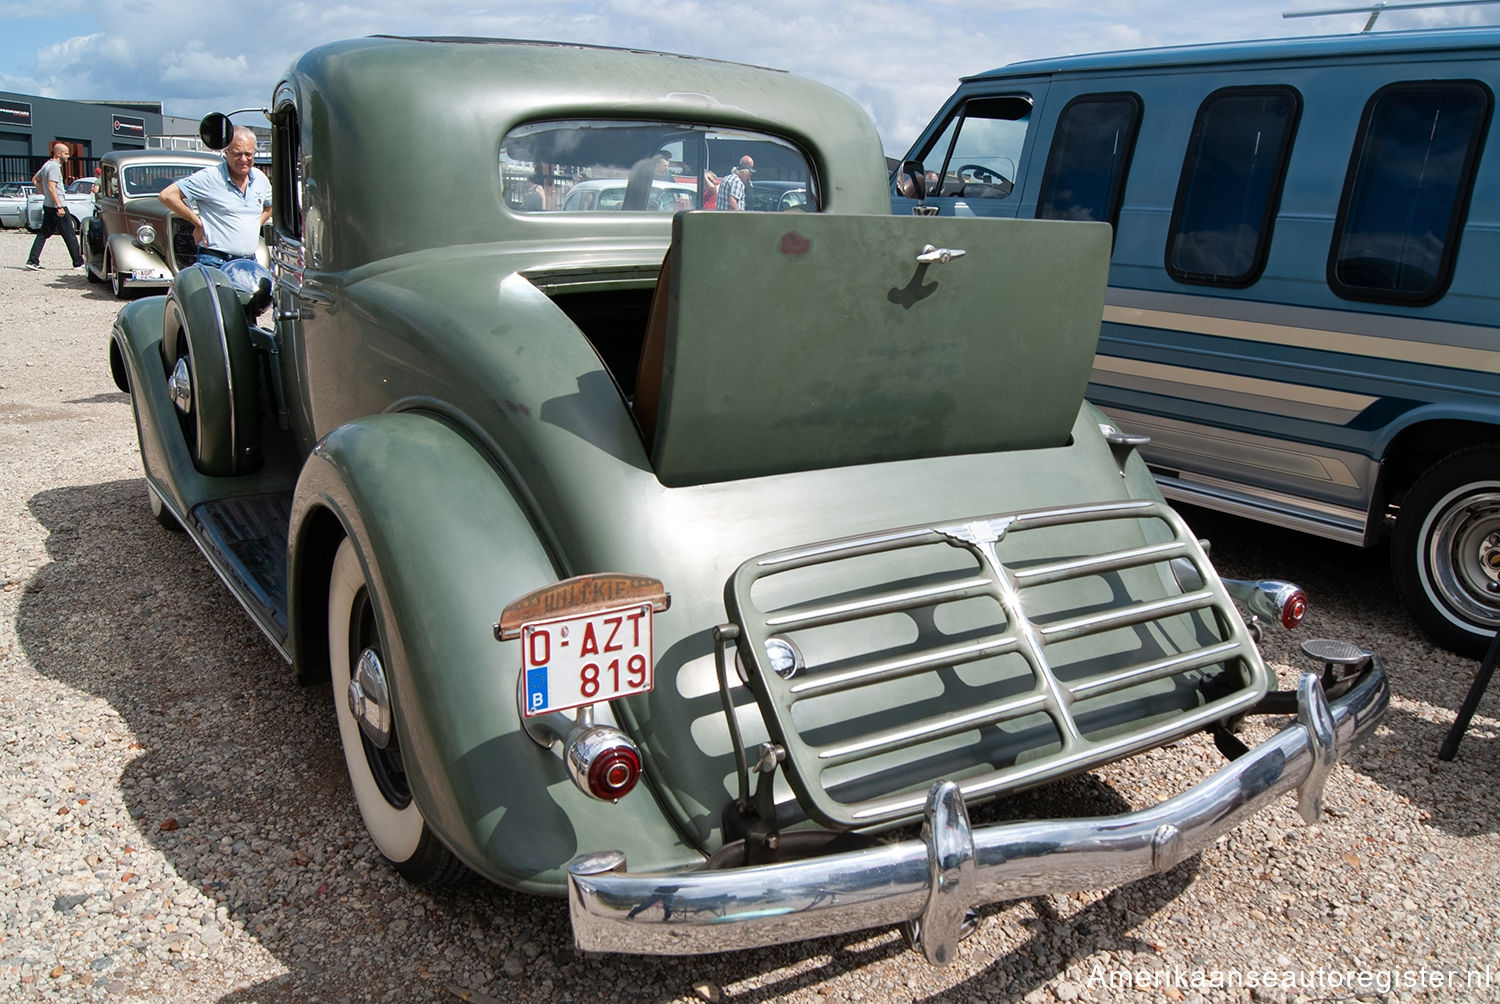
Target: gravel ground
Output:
[(177, 825)]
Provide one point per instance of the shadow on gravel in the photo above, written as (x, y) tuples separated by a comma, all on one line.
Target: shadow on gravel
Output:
[(240, 785), (1457, 797), (114, 397)]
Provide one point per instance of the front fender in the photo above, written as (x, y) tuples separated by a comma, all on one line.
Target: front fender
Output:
[(445, 547), (129, 256)]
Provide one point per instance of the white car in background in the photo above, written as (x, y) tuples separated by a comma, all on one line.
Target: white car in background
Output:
[(13, 202), (79, 196), (604, 194)]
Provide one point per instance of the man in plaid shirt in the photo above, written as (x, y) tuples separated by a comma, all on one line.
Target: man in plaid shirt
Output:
[(732, 188)]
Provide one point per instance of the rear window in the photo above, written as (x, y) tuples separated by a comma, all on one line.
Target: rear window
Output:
[(150, 179), (1407, 191), (1231, 185), (593, 166), (1091, 150)]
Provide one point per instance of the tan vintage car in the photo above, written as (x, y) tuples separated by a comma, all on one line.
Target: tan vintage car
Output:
[(133, 242)]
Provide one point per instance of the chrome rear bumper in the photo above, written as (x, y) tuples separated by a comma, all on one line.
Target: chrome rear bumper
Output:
[(934, 881)]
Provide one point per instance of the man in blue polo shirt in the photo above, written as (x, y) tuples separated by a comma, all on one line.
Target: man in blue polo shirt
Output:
[(227, 203)]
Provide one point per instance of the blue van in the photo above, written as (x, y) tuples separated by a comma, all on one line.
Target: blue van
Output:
[(1304, 297)]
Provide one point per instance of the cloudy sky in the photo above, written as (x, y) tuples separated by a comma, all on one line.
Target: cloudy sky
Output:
[(897, 58)]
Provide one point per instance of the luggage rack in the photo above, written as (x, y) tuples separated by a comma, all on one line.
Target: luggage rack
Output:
[(1028, 646)]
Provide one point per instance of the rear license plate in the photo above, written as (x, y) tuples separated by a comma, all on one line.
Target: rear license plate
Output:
[(568, 662)]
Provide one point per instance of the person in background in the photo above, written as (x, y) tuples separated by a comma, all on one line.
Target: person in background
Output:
[(226, 203), (638, 185), (55, 218), (535, 199), (709, 191), (732, 188)]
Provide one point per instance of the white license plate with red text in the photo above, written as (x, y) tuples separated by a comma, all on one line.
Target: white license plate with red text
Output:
[(567, 662)]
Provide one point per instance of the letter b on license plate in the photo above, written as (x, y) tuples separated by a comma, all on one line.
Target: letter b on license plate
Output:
[(572, 661)]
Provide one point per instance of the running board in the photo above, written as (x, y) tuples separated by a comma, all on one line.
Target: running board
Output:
[(245, 540), (1348, 526)]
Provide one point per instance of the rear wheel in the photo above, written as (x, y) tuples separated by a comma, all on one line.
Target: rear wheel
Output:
[(1445, 553), (377, 771), (160, 512)]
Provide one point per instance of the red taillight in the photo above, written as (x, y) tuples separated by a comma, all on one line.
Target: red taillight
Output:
[(614, 772), (602, 761), (1293, 609)]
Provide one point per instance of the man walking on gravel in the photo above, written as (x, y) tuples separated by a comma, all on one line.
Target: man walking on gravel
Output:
[(55, 218), (226, 203)]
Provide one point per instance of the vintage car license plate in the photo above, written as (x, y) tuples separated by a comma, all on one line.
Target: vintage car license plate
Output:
[(568, 662)]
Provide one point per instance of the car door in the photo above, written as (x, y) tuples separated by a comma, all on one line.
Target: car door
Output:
[(975, 154)]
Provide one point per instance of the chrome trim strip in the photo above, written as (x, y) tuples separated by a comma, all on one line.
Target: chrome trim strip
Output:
[(886, 603), (1334, 407), (934, 879), (1347, 526), (1139, 308)]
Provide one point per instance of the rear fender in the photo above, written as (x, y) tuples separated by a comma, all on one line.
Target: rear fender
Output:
[(445, 546)]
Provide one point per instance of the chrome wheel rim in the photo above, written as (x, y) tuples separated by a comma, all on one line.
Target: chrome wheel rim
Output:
[(1463, 553), (386, 766)]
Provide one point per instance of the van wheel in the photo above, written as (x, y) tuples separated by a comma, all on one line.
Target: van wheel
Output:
[(377, 771), (212, 373), (1446, 550)]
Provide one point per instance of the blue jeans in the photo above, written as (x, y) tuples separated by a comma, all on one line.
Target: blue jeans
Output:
[(218, 259)]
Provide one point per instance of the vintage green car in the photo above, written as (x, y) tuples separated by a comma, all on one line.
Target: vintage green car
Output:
[(686, 564), (132, 241)]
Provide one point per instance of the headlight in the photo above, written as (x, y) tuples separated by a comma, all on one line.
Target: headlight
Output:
[(145, 234)]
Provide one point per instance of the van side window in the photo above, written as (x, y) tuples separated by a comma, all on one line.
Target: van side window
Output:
[(979, 150), (1231, 185), (1407, 191), (1091, 150)]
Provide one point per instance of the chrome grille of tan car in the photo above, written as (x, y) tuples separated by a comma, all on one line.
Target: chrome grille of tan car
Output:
[(184, 248), (999, 652)]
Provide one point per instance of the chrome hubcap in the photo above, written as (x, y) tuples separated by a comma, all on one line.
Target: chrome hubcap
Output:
[(180, 387), (369, 700), (1465, 557)]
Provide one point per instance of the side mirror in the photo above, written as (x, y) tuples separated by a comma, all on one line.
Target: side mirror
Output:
[(215, 130), (911, 180)]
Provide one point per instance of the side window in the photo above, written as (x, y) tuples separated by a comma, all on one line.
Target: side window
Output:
[(605, 165), (286, 172), (1407, 191), (1090, 155), (1231, 185), (978, 153)]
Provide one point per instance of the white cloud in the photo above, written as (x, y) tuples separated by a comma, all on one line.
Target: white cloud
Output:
[(899, 60)]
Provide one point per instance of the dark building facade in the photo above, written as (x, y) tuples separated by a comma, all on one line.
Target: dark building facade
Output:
[(30, 124)]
